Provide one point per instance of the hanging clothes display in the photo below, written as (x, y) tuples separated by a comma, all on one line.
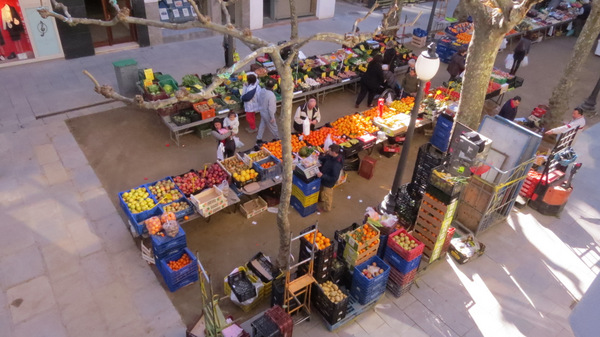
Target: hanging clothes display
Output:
[(11, 22)]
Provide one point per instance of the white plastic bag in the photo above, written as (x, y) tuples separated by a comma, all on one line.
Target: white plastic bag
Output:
[(503, 44), (238, 142), (525, 61), (328, 142), (508, 61), (220, 151), (306, 127), (372, 213)]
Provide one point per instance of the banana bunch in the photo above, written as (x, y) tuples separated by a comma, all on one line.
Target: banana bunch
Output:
[(349, 143)]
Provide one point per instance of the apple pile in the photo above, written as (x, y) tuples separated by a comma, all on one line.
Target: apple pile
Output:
[(372, 271), (189, 183), (404, 241), (165, 188), (176, 207), (213, 175)]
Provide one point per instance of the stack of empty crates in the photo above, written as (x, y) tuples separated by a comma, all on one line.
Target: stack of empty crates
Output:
[(428, 158), (305, 195), (274, 323), (404, 263), (435, 215)]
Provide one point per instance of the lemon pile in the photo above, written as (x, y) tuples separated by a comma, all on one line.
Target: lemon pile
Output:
[(245, 175), (138, 200)]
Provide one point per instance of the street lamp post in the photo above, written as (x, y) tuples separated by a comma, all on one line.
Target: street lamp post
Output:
[(590, 103), (426, 67), (430, 22)]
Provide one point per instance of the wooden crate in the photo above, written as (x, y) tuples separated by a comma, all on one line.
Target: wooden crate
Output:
[(419, 42)]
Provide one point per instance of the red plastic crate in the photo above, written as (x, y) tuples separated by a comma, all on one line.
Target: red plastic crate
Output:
[(449, 236), (407, 255), (367, 167), (282, 319)]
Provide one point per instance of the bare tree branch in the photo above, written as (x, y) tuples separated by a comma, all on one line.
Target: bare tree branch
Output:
[(201, 17), (60, 6), (225, 11), (359, 20)]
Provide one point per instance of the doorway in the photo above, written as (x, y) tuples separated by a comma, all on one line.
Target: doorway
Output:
[(108, 36)]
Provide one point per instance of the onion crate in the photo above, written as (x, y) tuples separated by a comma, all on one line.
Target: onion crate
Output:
[(182, 277), (331, 312), (209, 201), (407, 255), (164, 246), (364, 289), (270, 172), (399, 263)]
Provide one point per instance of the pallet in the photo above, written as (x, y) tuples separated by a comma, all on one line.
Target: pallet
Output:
[(354, 310)]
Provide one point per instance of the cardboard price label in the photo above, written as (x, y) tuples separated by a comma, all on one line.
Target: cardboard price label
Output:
[(147, 82), (346, 69), (305, 77), (323, 74), (210, 101), (149, 74), (369, 51), (331, 73)]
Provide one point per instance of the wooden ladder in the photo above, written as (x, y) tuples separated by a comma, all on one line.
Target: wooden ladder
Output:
[(300, 286)]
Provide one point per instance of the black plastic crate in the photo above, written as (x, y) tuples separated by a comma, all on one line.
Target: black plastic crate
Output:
[(336, 270), (323, 257), (277, 291), (241, 286), (338, 237), (332, 312), (265, 327), (352, 163), (266, 264)]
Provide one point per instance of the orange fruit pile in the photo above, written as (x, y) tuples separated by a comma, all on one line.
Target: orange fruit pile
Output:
[(182, 262), (321, 241), (362, 235), (354, 125), (267, 164), (374, 112), (275, 147), (464, 38), (317, 137), (153, 225)]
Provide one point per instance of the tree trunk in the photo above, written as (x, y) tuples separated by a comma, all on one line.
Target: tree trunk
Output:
[(480, 62), (461, 12), (293, 20), (559, 101), (285, 132), (392, 18)]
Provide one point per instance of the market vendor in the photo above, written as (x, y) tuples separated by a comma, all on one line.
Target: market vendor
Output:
[(578, 121), (410, 83), (331, 167), (389, 57), (309, 110), (509, 109)]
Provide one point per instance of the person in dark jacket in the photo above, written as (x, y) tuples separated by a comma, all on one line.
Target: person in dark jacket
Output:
[(584, 13), (389, 57), (509, 109), (331, 166), (521, 50), (410, 83), (457, 64), (371, 82)]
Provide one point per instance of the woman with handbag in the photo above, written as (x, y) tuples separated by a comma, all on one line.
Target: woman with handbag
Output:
[(225, 141)]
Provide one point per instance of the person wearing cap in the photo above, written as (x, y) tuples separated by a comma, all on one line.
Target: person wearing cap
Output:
[(457, 64), (332, 164), (250, 94), (268, 107)]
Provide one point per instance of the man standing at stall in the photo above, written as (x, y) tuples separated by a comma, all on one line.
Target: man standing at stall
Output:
[(509, 109), (331, 166), (578, 121), (309, 110), (268, 107)]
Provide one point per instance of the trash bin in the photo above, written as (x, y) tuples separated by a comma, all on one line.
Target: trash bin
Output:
[(126, 72)]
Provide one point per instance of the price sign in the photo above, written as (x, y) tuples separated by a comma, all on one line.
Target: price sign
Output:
[(149, 74), (279, 80), (244, 77), (369, 51), (241, 92), (323, 74), (331, 73), (210, 101), (197, 86), (147, 82), (346, 69), (305, 77)]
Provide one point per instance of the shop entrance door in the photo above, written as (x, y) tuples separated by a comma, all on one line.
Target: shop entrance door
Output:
[(108, 36)]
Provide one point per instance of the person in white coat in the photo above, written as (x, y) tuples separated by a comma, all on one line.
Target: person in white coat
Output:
[(578, 121), (268, 107), (250, 94)]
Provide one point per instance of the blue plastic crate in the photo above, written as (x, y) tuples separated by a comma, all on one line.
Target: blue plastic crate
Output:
[(181, 214), (362, 285), (272, 171), (139, 218), (173, 287), (366, 297), (164, 246), (399, 263), (135, 217), (174, 279), (307, 188), (304, 211), (419, 32), (382, 244)]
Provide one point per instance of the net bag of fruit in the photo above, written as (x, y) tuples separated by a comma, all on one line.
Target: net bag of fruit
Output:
[(169, 224), (153, 225)]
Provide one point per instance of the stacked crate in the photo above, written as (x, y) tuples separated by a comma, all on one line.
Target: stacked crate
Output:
[(435, 215), (355, 252), (282, 319), (305, 195), (322, 260), (331, 312), (428, 158), (404, 263), (176, 279), (367, 290)]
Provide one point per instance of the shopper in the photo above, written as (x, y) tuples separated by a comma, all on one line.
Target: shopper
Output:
[(411, 65), (390, 80), (223, 136), (308, 110), (509, 109), (578, 121), (268, 107), (410, 83), (521, 50), (457, 64), (331, 167), (250, 94), (582, 15), (371, 82), (389, 57)]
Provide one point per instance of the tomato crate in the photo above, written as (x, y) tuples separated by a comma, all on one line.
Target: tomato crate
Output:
[(399, 263), (331, 312), (180, 215), (164, 246), (282, 319), (271, 172), (179, 278), (407, 255)]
